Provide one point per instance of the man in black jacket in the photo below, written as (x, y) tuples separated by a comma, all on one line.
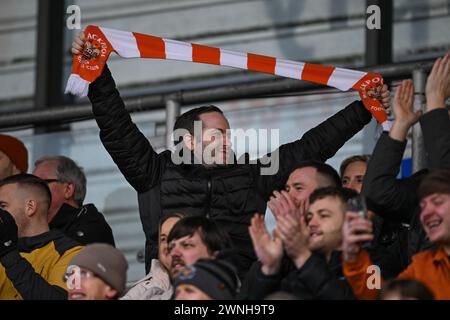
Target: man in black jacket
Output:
[(312, 267), (33, 258), (396, 200), (67, 183), (229, 194)]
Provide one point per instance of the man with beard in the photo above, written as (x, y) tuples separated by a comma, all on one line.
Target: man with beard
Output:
[(312, 268), (193, 238), (207, 183)]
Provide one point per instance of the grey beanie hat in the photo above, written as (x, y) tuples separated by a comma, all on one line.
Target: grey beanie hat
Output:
[(107, 262)]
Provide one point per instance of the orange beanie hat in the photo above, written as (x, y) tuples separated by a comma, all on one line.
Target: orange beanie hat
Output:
[(15, 150)]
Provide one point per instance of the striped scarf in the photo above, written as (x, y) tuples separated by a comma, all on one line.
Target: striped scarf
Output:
[(100, 42)]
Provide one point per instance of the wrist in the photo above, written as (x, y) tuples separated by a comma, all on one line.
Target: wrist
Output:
[(270, 270), (301, 259), (435, 103)]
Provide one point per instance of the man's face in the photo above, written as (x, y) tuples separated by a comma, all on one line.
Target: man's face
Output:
[(190, 292), (353, 175), (164, 256), (13, 201), (324, 219), (91, 288), (6, 166), (216, 143), (47, 171), (186, 251), (435, 217), (301, 183)]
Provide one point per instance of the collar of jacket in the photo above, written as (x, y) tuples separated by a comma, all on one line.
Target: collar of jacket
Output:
[(29, 244), (64, 215), (440, 256)]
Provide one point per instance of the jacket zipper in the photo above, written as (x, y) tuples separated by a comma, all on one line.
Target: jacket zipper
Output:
[(208, 206)]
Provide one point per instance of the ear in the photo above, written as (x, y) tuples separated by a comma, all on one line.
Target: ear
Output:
[(110, 293), (31, 207), (189, 141), (69, 190)]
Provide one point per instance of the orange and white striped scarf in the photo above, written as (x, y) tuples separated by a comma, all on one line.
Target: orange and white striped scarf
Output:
[(100, 42)]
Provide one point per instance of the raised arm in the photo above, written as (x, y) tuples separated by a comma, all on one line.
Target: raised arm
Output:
[(435, 122), (320, 143), (128, 147), (389, 197)]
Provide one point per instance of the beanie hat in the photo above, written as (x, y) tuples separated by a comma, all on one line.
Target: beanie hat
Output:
[(15, 150), (107, 262), (216, 278)]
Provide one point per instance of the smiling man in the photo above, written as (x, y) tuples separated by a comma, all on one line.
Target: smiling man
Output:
[(98, 272), (312, 242), (194, 238), (431, 267)]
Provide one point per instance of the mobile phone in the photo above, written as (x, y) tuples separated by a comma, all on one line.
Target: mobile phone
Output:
[(358, 204)]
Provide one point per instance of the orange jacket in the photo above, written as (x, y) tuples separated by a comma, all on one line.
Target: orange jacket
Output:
[(431, 267)]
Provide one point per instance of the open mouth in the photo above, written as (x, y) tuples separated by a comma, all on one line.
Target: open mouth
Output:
[(315, 234), (77, 296), (433, 224)]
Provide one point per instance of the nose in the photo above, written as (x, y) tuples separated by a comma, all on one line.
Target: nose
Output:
[(314, 222), (427, 211), (174, 252)]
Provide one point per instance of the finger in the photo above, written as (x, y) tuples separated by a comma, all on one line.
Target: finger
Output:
[(288, 199), (82, 37), (350, 215), (436, 66), (359, 238)]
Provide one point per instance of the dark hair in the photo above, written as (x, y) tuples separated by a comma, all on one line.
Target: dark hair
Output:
[(214, 238), (327, 176), (406, 288), (344, 194), (363, 158), (187, 119), (31, 182), (437, 181)]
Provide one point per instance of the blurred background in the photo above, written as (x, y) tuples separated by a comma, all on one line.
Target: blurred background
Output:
[(35, 63)]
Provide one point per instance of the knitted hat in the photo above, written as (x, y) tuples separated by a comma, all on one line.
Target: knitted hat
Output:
[(108, 263), (216, 278), (15, 150)]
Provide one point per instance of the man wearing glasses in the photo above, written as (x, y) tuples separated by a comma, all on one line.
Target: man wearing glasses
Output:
[(67, 183)]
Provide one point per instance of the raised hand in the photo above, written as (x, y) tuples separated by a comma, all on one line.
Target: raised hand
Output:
[(385, 97), (405, 117), (403, 104), (78, 43), (281, 203), (355, 231), (294, 234), (269, 250), (438, 84)]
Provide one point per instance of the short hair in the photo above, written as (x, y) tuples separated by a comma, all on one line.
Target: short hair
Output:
[(30, 182), (344, 194), (187, 119), (327, 176), (406, 288), (179, 215), (362, 158), (213, 237), (68, 171), (437, 181)]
